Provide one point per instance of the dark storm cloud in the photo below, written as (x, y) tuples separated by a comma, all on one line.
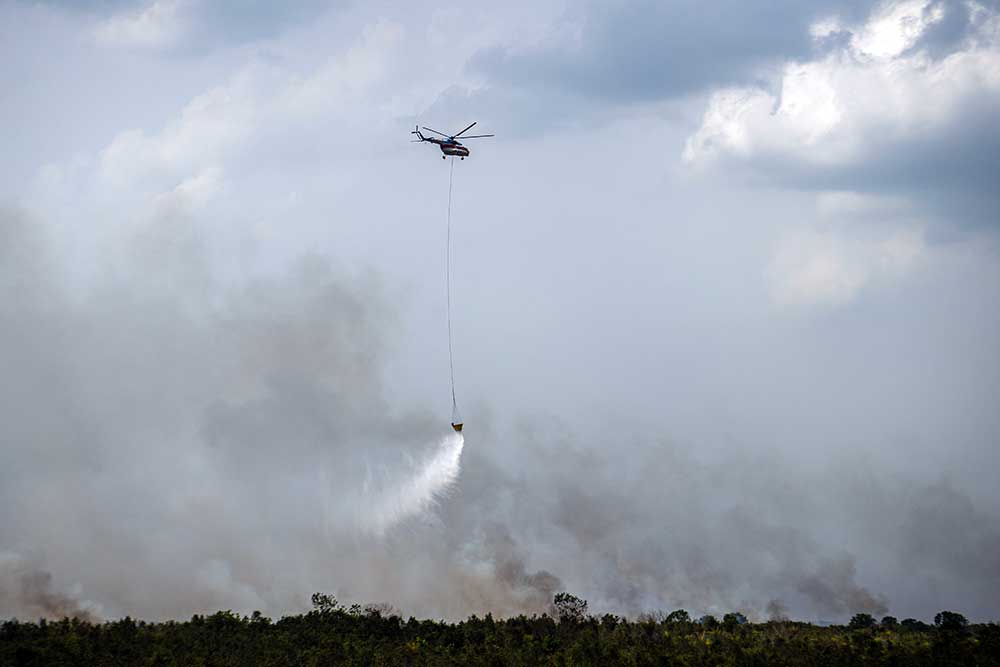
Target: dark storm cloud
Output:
[(644, 50)]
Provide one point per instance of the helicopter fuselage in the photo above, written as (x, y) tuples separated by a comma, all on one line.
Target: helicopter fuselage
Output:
[(449, 144), (450, 147), (454, 149)]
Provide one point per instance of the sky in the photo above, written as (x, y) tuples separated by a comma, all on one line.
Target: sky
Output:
[(724, 292)]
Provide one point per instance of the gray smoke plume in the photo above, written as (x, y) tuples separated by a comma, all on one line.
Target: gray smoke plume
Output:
[(30, 590), (776, 611), (833, 590), (176, 443)]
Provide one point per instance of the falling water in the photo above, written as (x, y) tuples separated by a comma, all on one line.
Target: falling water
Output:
[(417, 493)]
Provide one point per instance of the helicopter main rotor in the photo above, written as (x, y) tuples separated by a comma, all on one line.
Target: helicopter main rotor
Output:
[(453, 137)]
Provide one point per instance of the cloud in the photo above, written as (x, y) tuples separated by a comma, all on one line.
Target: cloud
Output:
[(261, 107), (188, 26), (158, 25), (857, 241), (192, 192), (878, 113), (638, 51)]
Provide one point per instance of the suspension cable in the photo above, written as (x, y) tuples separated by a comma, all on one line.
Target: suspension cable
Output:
[(451, 357)]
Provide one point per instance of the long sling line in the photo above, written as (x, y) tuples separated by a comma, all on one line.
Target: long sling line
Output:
[(456, 420)]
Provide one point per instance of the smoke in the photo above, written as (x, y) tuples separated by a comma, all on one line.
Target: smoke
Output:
[(776, 611), (833, 590), (30, 590), (177, 442), (636, 526), (175, 423)]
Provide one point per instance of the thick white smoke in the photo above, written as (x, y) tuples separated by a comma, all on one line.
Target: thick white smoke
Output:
[(174, 446)]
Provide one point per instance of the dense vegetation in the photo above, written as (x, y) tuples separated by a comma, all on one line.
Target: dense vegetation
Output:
[(333, 635)]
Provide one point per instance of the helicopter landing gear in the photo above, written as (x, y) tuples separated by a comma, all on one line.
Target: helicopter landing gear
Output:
[(463, 158), (444, 157)]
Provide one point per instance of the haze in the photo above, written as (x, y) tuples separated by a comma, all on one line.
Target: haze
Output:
[(725, 307)]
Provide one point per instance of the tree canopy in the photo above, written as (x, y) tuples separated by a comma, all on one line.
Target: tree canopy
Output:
[(376, 635)]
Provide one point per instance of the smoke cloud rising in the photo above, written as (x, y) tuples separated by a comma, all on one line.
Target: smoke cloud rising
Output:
[(176, 443)]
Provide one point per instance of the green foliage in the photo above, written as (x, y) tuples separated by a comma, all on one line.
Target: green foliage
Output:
[(861, 622), (913, 625), (733, 620), (709, 622), (376, 635), (324, 603), (569, 607), (950, 621), (678, 616)]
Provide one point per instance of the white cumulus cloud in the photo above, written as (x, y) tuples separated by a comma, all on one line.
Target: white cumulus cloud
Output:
[(159, 24), (875, 94)]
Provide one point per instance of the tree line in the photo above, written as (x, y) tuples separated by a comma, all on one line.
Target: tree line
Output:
[(332, 634)]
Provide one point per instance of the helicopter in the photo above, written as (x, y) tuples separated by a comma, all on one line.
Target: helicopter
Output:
[(450, 145)]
